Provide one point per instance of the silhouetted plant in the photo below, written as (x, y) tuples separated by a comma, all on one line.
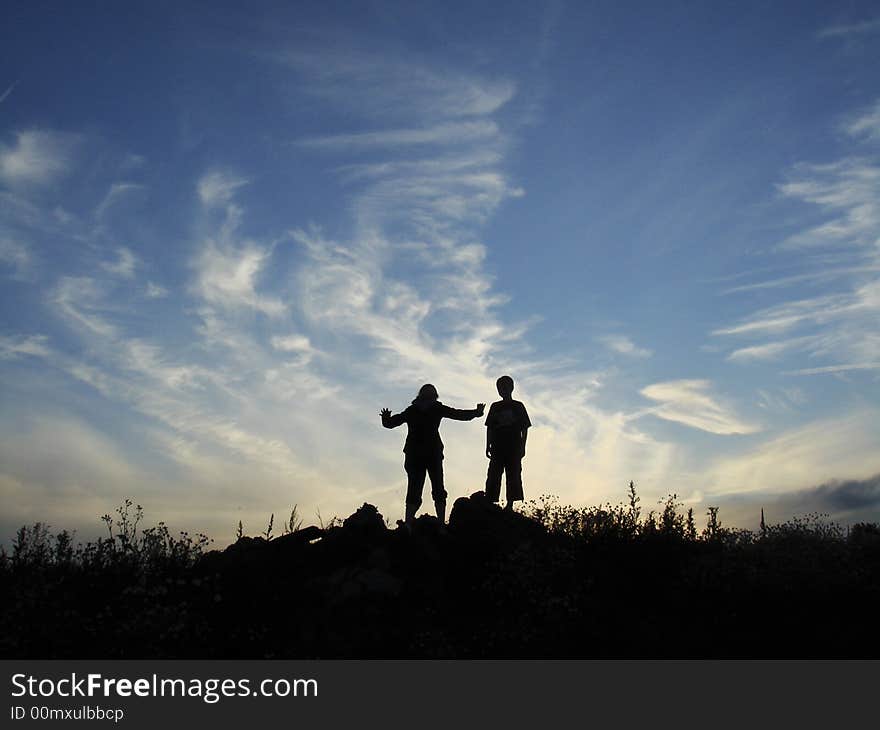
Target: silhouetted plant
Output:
[(713, 525), (293, 522), (268, 533), (32, 545), (634, 509), (671, 522), (332, 522), (863, 533), (649, 526)]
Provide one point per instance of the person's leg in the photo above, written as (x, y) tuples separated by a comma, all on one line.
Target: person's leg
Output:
[(493, 478), (513, 480), (415, 472), (438, 492)]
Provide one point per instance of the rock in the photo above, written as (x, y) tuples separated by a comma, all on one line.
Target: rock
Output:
[(298, 537), (245, 544), (366, 523), (476, 519)]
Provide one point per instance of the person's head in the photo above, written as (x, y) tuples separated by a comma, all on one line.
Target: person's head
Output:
[(505, 386), (427, 392)]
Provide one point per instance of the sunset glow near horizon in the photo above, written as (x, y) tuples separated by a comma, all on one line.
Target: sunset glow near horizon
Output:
[(231, 233)]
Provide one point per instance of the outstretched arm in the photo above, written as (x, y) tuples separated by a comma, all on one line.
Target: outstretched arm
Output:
[(390, 421), (458, 415)]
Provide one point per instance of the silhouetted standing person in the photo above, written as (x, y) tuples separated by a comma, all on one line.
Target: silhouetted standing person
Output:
[(424, 448), (507, 427)]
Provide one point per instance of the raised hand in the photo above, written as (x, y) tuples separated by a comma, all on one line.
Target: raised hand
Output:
[(385, 413), (480, 408)]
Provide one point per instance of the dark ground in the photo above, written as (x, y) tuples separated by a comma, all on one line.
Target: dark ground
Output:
[(561, 582)]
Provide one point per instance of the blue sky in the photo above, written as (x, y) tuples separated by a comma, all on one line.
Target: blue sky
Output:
[(230, 234)]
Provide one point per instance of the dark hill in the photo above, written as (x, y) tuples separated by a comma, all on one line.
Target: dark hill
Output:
[(559, 582)]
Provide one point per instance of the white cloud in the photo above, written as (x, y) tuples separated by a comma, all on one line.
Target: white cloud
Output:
[(156, 291), (781, 399), (449, 133), (37, 157), (227, 277), (769, 350), (124, 266), (863, 27), (624, 345), (812, 277), (837, 328), (5, 95), (380, 84), (847, 191), (689, 402), (868, 123), (14, 347), (118, 192), (60, 470), (811, 454), (292, 343), (836, 368), (786, 316), (217, 188), (80, 300), (15, 255)]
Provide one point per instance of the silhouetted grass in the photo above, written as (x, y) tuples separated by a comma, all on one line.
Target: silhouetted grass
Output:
[(553, 581)]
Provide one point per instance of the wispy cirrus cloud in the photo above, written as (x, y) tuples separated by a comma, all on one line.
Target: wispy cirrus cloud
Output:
[(9, 89), (623, 345), (867, 124), (80, 300), (12, 347), (118, 191), (691, 403), (819, 310), (768, 350), (124, 265), (841, 327), (451, 133), (36, 157), (218, 187), (863, 27), (384, 84), (836, 368), (15, 255), (847, 192), (809, 278), (227, 277), (781, 399), (804, 455), (837, 328), (155, 291), (227, 268)]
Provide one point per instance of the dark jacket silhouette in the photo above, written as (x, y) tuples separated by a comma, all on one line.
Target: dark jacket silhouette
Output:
[(424, 447)]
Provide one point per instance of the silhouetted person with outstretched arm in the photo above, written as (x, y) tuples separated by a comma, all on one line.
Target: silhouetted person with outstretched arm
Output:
[(507, 428), (424, 449)]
